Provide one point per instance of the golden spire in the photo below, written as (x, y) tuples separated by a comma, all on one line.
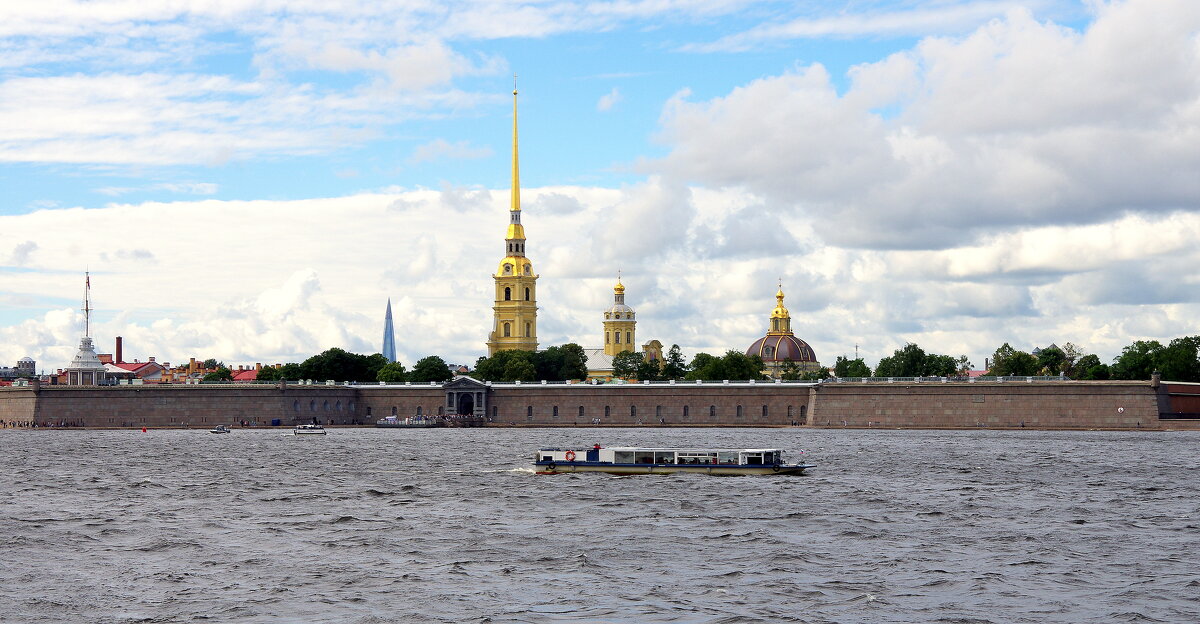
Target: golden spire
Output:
[(619, 288), (515, 203)]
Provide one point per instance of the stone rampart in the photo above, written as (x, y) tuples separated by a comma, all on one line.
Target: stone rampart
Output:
[(1049, 405), (1041, 404)]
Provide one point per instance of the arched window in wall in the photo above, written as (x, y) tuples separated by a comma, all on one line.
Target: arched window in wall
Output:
[(528, 329), (507, 293), (507, 330), (527, 294), (617, 336), (607, 338), (628, 337)]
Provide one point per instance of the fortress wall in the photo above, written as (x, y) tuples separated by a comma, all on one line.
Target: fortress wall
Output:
[(1067, 405), (633, 404), (194, 406), (399, 401), (17, 405)]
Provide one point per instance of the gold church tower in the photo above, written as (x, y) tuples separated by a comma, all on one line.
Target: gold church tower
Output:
[(515, 310), (620, 326)]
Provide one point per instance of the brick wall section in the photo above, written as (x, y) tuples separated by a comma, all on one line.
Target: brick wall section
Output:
[(16, 405), (634, 404), (400, 401), (191, 406), (1067, 405)]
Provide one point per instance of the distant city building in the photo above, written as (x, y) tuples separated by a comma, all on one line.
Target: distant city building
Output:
[(389, 334), (514, 324), (25, 369), (780, 345)]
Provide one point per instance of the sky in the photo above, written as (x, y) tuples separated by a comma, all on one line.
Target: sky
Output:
[(252, 180)]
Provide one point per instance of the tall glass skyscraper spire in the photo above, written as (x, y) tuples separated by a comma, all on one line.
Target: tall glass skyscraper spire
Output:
[(389, 334)]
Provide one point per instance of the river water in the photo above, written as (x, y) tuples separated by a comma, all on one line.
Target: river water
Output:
[(451, 525)]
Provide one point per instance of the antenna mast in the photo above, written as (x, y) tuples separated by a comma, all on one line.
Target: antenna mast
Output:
[(87, 305)]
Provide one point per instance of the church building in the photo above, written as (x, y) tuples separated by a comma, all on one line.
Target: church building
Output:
[(515, 310), (780, 345)]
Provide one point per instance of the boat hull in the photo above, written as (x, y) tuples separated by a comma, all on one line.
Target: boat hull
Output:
[(636, 469)]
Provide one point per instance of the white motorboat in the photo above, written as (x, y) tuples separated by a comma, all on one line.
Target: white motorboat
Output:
[(309, 430)]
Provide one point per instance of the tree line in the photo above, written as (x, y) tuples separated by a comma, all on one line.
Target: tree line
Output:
[(342, 365)]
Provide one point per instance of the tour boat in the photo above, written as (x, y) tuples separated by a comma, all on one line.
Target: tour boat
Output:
[(418, 422), (309, 430), (220, 429), (625, 460)]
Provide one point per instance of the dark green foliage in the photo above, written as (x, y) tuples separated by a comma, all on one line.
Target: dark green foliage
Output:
[(912, 361), (430, 368), (816, 375), (574, 365), (1137, 361), (734, 365), (790, 371), (1051, 361), (392, 372), (267, 373), (1090, 367), (674, 367), (626, 363), (291, 372), (1007, 361), (339, 365), (845, 367)]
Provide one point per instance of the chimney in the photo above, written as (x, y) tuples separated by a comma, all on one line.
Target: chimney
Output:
[(151, 358), (119, 356), (191, 365), (258, 366)]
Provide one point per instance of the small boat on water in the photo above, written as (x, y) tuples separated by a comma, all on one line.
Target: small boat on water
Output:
[(220, 429), (626, 460), (309, 430)]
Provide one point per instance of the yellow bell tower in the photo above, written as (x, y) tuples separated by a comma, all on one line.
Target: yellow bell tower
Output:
[(515, 310), (781, 321), (620, 328)]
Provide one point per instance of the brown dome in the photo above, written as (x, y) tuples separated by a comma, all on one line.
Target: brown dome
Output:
[(782, 348)]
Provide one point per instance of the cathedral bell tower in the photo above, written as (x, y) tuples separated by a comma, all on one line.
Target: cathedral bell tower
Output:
[(515, 310), (620, 328)]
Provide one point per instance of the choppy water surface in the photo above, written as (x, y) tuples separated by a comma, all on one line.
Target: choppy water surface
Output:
[(367, 525)]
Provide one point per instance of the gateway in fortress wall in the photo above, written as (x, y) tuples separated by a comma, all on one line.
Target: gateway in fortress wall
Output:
[(909, 404)]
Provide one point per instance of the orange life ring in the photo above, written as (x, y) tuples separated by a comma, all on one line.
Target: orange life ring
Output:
[(570, 455)]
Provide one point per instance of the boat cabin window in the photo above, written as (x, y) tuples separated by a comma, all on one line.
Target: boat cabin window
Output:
[(547, 458), (623, 457), (664, 457), (754, 458), (727, 457), (697, 457), (643, 457)]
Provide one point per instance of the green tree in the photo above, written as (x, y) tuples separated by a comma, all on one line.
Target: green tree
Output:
[(549, 363), (213, 363), (648, 370), (267, 373), (845, 367), (1051, 360), (430, 368), (1071, 354), (674, 367), (1008, 361), (221, 374), (1178, 360), (574, 364), (375, 362), (291, 372), (1137, 361), (790, 371), (519, 367), (339, 365), (1090, 367), (888, 367), (820, 373), (734, 365), (392, 372), (626, 363)]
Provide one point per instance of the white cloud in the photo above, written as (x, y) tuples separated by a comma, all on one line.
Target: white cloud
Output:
[(608, 100), (1018, 123), (439, 149), (319, 279)]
